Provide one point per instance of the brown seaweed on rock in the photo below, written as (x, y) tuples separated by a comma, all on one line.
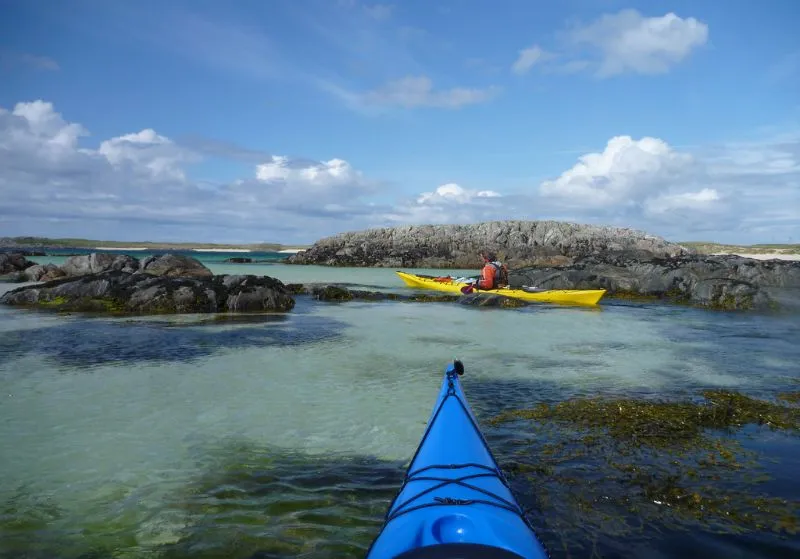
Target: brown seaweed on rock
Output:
[(615, 465)]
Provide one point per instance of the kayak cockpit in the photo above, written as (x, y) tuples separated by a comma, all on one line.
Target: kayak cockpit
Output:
[(459, 551)]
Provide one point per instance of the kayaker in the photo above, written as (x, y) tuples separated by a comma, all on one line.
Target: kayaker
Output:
[(494, 273)]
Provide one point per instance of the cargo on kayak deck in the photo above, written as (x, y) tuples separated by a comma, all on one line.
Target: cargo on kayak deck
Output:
[(455, 502), (455, 285)]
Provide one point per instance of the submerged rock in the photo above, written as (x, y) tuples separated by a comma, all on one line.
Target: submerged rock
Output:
[(518, 243), (332, 293), (340, 293), (117, 291), (720, 282), (490, 300)]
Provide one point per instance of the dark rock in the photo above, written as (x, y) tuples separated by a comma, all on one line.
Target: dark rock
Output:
[(340, 293), (12, 262), (518, 243), (238, 260), (297, 288), (487, 300), (98, 262), (15, 267), (43, 272), (721, 282), (25, 252), (332, 293), (429, 298), (174, 266), (255, 293), (121, 292)]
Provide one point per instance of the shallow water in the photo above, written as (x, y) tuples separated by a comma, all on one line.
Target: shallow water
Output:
[(287, 435)]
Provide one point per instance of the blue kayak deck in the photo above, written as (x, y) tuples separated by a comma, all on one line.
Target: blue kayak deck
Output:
[(454, 491)]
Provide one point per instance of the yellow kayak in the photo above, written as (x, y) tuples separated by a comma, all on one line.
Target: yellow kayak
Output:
[(565, 296)]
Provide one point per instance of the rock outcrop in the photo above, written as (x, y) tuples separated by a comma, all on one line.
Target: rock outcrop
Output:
[(12, 264), (174, 266), (518, 243), (15, 267), (339, 293), (98, 262), (43, 272), (119, 291), (722, 282)]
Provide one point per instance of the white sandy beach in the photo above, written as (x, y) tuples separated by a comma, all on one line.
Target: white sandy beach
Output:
[(765, 256), (291, 250), (120, 248), (222, 250)]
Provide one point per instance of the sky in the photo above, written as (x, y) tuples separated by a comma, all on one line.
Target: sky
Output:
[(289, 120)]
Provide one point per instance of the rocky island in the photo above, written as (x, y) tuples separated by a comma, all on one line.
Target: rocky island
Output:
[(558, 255), (517, 243), (109, 283), (542, 254)]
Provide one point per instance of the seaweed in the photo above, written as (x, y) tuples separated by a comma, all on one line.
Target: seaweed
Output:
[(617, 464)]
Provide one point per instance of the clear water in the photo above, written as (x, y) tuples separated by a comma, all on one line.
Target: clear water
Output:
[(285, 436)]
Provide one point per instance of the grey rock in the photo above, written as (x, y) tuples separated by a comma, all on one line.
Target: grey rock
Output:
[(43, 272), (518, 243), (11, 262), (174, 266), (117, 291), (722, 282), (98, 262)]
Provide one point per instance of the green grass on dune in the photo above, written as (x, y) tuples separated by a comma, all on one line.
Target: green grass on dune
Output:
[(709, 248), (89, 243)]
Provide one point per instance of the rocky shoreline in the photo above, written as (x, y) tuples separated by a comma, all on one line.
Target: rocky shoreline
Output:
[(558, 255), (715, 282), (548, 255), (517, 243), (122, 284)]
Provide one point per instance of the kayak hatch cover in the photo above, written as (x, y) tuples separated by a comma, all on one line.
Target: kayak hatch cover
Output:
[(455, 502)]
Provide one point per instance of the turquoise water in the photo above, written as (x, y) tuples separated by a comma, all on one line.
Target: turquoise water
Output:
[(286, 436)]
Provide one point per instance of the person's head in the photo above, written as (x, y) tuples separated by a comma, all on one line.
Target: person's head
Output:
[(488, 256)]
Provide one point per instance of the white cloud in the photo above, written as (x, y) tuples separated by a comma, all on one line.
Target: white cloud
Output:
[(141, 179), (140, 185), (452, 192), (37, 129), (452, 203), (732, 191), (149, 152), (10, 59), (418, 91), (686, 200), (528, 58), (327, 173), (624, 173), (628, 41), (379, 12), (625, 42)]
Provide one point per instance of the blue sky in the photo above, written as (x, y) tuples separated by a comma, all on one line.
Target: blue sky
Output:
[(289, 120)]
